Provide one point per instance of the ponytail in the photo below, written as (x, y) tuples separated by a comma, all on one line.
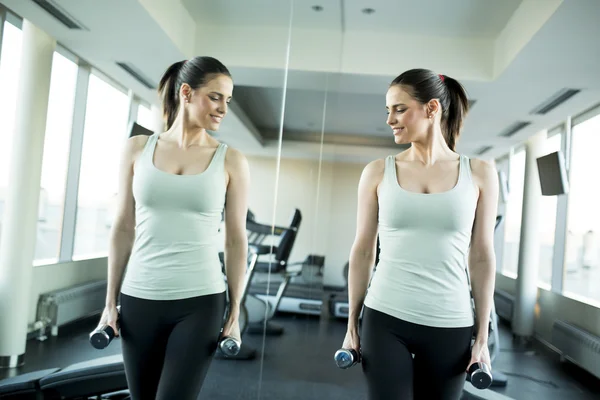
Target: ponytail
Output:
[(168, 89), (458, 107), (195, 72), (424, 85)]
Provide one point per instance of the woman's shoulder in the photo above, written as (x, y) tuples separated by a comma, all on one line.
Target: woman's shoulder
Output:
[(373, 172), (235, 160), (483, 171), (135, 145)]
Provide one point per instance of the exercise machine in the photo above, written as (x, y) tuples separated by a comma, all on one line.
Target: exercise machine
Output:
[(303, 293), (262, 301)]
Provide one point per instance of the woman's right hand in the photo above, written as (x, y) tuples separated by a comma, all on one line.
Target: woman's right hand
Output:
[(352, 341), (110, 316)]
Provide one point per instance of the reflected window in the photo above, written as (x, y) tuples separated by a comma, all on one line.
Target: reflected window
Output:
[(56, 158), (105, 133), (10, 67), (144, 117), (582, 258), (547, 227), (514, 208)]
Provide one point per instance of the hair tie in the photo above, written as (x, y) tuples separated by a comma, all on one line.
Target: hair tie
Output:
[(442, 77)]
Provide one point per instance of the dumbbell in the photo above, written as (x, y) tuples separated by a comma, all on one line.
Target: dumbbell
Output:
[(229, 346), (101, 337), (346, 358), (480, 375)]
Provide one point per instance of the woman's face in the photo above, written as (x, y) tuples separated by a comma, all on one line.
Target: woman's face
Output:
[(208, 104), (407, 117)]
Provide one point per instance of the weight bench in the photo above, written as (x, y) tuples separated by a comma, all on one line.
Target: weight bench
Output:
[(77, 381), (25, 386)]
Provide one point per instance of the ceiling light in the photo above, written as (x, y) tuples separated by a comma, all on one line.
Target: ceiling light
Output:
[(317, 8), (368, 10)]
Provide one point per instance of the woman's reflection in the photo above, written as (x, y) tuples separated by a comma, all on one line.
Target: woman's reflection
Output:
[(174, 187)]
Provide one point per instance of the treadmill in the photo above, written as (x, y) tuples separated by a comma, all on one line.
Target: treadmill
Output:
[(302, 295), (303, 292)]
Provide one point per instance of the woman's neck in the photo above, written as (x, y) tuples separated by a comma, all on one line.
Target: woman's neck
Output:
[(432, 148)]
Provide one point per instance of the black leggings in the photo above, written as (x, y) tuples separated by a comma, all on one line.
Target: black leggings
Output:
[(437, 372), (168, 345)]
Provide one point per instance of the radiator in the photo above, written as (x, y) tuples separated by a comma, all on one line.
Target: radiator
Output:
[(504, 303), (577, 345), (62, 306)]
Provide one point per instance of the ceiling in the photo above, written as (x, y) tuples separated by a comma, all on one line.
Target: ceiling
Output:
[(332, 66)]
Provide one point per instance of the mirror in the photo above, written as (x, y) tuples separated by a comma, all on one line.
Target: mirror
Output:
[(256, 47), (110, 73)]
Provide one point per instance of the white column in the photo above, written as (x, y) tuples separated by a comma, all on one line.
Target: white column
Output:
[(158, 121), (529, 247), (19, 229)]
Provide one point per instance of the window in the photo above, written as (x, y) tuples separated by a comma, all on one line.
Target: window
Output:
[(56, 157), (582, 258), (10, 66), (514, 209), (144, 117), (547, 222), (105, 133)]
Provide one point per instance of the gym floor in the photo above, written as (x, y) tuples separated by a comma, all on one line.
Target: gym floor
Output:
[(299, 365)]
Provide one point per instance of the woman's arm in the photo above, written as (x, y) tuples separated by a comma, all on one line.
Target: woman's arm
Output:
[(362, 255), (482, 257), (122, 233), (236, 239)]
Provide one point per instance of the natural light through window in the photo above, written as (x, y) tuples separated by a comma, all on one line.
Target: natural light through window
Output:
[(56, 157), (582, 261), (144, 117), (105, 133)]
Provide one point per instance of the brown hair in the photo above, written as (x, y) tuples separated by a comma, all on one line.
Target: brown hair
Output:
[(424, 85), (194, 72)]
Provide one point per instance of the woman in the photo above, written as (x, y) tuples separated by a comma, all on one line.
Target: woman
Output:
[(174, 186), (431, 204)]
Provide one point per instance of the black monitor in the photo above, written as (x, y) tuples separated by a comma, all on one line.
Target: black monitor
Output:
[(553, 174), (137, 129)]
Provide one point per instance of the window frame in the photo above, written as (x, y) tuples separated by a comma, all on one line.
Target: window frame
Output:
[(560, 265)]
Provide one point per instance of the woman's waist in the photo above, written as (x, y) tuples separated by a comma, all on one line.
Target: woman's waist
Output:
[(426, 297), (175, 255), (174, 268), (399, 271)]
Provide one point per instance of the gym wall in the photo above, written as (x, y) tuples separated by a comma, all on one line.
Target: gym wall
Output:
[(327, 228)]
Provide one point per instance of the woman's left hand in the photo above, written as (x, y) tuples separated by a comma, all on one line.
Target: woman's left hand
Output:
[(232, 329), (480, 353)]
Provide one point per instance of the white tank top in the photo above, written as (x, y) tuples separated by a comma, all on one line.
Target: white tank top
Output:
[(421, 276), (175, 253)]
